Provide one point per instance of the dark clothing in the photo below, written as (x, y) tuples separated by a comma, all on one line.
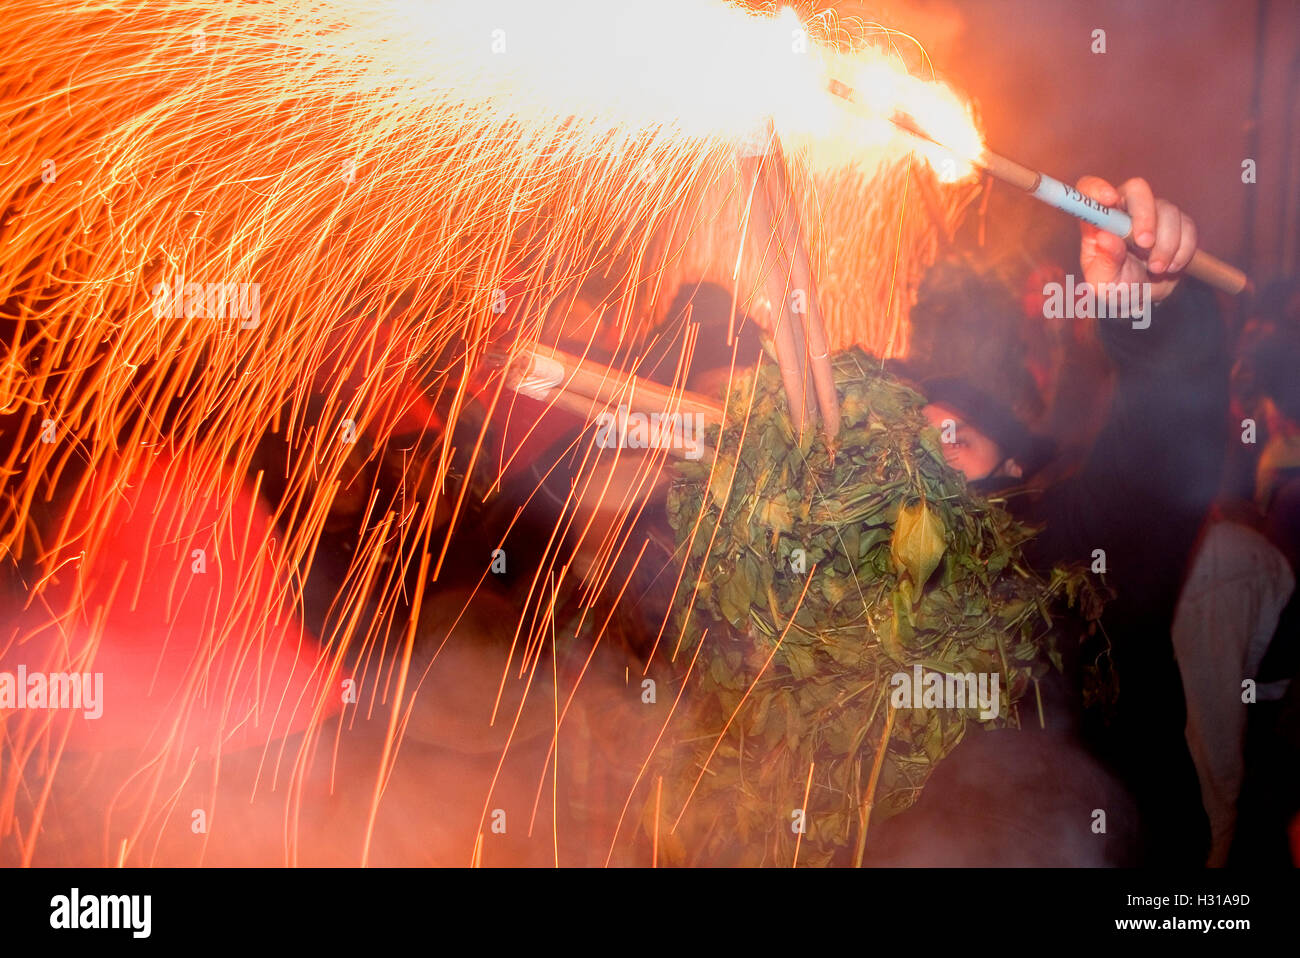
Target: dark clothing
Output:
[(1282, 514), (1282, 526), (1141, 496), (1012, 797), (1270, 795)]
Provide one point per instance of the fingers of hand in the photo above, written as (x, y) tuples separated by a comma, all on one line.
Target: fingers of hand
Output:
[(1101, 253), (1102, 256), (1087, 250), (1108, 247), (1098, 189), (1140, 203), (1186, 246), (1169, 234)]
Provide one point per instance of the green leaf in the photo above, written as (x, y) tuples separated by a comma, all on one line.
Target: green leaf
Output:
[(736, 596), (918, 543), (799, 659)]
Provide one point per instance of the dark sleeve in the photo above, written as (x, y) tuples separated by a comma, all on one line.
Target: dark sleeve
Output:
[(1282, 522), (1156, 464), (1282, 527)]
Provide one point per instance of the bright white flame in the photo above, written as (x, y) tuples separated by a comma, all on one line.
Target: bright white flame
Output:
[(885, 90), (704, 68)]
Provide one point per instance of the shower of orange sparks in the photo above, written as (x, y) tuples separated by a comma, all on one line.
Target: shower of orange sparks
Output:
[(359, 161)]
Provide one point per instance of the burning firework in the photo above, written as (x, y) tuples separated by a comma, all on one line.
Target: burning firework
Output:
[(235, 235)]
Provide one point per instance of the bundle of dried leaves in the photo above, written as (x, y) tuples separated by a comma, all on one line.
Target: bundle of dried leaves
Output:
[(815, 580)]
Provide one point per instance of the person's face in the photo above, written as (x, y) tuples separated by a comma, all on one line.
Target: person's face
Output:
[(966, 449)]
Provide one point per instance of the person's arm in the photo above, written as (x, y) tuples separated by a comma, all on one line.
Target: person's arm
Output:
[(1161, 447)]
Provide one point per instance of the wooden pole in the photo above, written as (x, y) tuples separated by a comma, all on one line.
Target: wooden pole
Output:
[(587, 389), (799, 331), (782, 197), (765, 244)]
